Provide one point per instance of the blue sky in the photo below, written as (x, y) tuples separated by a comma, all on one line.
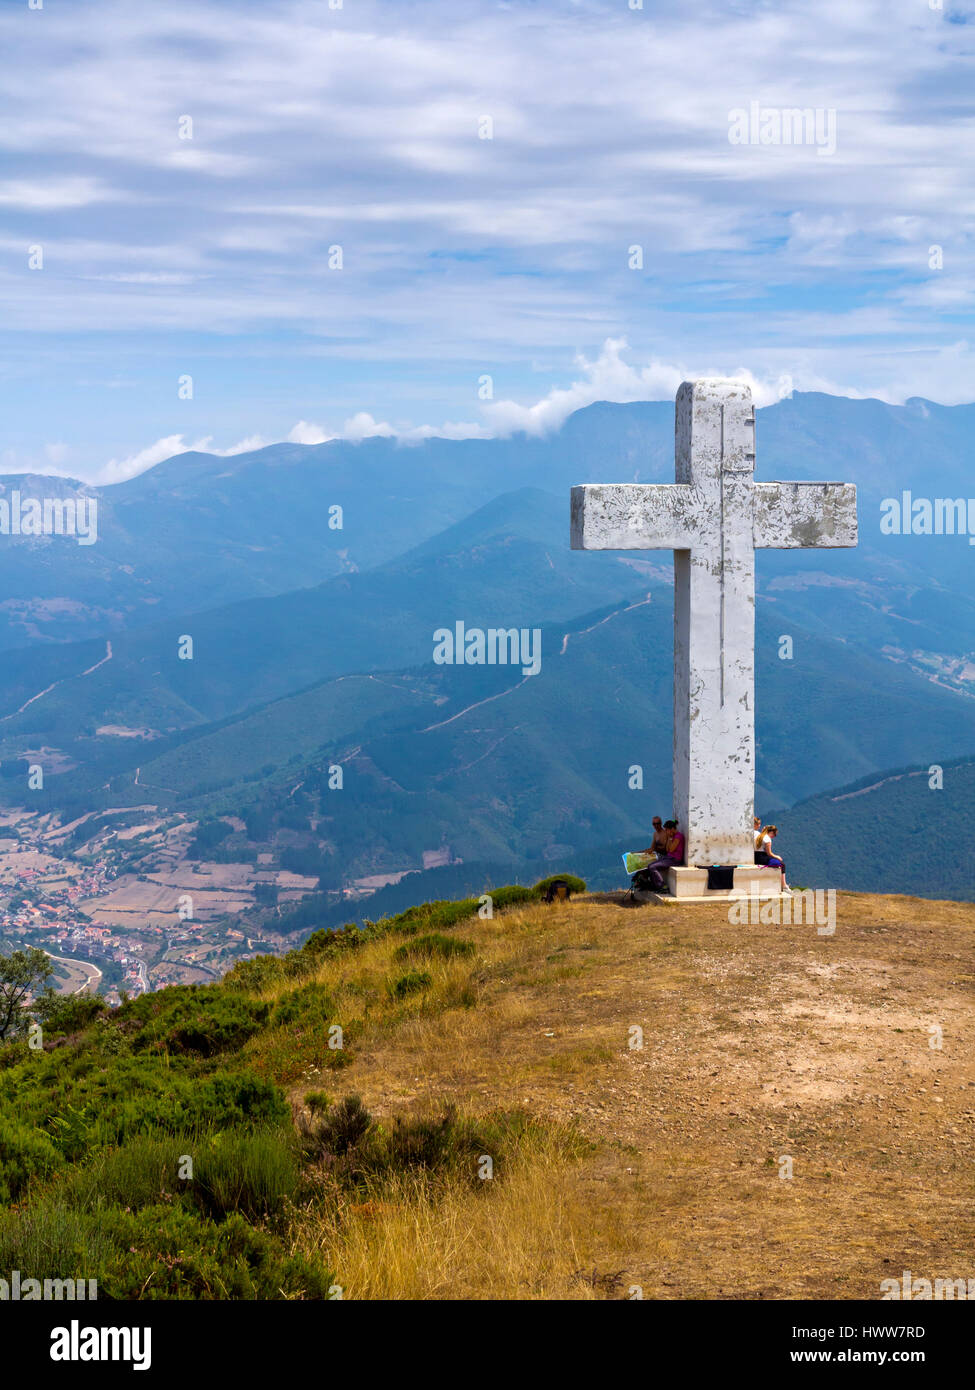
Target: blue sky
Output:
[(463, 257)]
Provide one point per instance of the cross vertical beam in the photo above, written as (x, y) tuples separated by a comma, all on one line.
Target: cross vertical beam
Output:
[(713, 517), (714, 618)]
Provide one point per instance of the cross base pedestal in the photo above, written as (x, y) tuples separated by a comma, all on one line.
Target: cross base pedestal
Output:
[(687, 885)]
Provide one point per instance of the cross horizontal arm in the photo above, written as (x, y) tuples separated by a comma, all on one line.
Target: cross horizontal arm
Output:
[(632, 516), (813, 515)]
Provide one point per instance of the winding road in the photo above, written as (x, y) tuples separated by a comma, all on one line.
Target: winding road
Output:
[(92, 977)]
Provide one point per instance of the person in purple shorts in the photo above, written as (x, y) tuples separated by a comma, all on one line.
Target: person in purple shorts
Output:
[(773, 861)]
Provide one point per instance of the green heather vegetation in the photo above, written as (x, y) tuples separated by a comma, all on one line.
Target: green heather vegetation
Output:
[(199, 1143)]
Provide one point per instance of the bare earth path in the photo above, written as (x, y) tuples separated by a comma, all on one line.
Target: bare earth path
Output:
[(47, 690), (848, 1060)]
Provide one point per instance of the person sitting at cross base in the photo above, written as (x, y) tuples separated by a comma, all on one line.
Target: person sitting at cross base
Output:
[(761, 853), (658, 845), (658, 848), (673, 854), (675, 845), (773, 861)]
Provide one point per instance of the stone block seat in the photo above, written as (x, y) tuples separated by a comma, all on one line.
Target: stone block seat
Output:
[(691, 885)]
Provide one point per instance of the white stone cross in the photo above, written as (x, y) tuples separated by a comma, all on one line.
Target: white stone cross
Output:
[(713, 518)]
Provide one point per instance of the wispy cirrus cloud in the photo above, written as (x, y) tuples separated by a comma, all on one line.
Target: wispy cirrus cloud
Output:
[(608, 204), (55, 194)]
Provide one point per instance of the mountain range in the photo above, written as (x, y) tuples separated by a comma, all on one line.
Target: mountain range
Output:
[(198, 531), (318, 650)]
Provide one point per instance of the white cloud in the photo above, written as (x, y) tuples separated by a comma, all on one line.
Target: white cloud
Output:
[(53, 194), (147, 277), (118, 470), (243, 446), (606, 378), (610, 378), (363, 426), (305, 433)]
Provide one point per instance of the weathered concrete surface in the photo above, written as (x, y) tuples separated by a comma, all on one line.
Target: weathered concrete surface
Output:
[(713, 517), (805, 515)]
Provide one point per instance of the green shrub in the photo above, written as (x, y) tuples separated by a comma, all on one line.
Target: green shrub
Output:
[(254, 1174), (232, 1099), (511, 893), (161, 1251), (433, 945), (51, 1239), (140, 1173), (252, 976), (317, 1102), (310, 1006), (333, 1130), (447, 912), (423, 1142), (204, 1021), (85, 1100), (576, 885), (436, 914), (325, 942), (411, 983), (24, 1153), (67, 1013), (447, 1142), (358, 1150)]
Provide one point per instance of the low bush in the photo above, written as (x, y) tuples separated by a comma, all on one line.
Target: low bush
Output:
[(25, 1152), (576, 885), (67, 1013), (86, 1101), (436, 914), (252, 1172), (357, 1150), (333, 1130), (447, 912), (141, 1173), (510, 894), (255, 1174), (308, 1006), (411, 983), (160, 1251), (204, 1021), (433, 946), (254, 975)]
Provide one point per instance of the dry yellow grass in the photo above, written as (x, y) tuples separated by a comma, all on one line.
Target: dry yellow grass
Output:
[(760, 1043), (523, 1239)]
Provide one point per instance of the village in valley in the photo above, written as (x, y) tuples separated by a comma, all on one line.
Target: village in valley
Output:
[(121, 910)]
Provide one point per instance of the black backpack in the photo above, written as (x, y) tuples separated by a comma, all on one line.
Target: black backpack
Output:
[(647, 881), (558, 891)]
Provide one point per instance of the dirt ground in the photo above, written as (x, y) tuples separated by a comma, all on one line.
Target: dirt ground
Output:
[(845, 1060)]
